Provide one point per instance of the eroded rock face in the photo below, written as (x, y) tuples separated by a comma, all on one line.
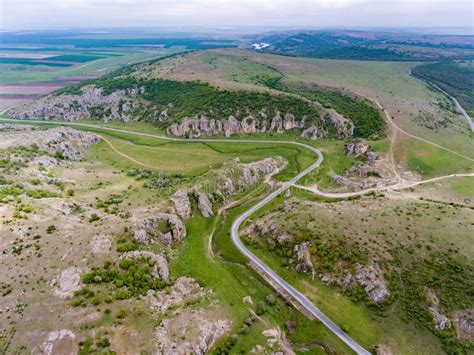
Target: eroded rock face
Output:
[(310, 133), (251, 172), (182, 204), (235, 177), (44, 160), (163, 227), (204, 204), (383, 349), (60, 342), (71, 107), (184, 291), (198, 126), (441, 321), (67, 282), (464, 321), (159, 270), (371, 278), (356, 148), (70, 142), (191, 332), (303, 256), (101, 244), (344, 126)]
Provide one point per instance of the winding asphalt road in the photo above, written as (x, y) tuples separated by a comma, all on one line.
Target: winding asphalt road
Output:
[(298, 296), (456, 102)]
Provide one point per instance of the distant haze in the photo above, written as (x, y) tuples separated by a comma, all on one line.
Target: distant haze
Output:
[(30, 14)]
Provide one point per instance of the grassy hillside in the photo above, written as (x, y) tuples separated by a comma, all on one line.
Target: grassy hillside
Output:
[(456, 78), (403, 238), (184, 99)]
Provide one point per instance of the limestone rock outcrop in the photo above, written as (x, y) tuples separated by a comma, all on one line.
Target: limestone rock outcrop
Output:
[(86, 105), (204, 204), (182, 204), (305, 265), (163, 227), (356, 148), (371, 278), (159, 270), (71, 143), (198, 126)]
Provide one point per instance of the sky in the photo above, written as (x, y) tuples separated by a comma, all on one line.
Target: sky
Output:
[(34, 14)]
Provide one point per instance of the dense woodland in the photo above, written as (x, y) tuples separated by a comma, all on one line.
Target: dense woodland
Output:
[(361, 46), (367, 119), (456, 78)]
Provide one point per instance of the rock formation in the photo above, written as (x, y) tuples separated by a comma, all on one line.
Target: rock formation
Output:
[(73, 107), (159, 270), (371, 278), (305, 265), (356, 148), (163, 227), (441, 321), (204, 204), (67, 282), (198, 126), (182, 204), (71, 143), (185, 290)]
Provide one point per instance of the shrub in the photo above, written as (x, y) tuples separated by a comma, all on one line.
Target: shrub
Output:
[(94, 217), (122, 313)]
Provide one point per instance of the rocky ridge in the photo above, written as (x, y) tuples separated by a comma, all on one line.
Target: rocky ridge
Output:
[(198, 126), (71, 143), (128, 105), (118, 105)]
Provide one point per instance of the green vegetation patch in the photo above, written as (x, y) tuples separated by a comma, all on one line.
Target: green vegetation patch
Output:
[(76, 58), (130, 278), (367, 119), (28, 61), (456, 78), (184, 99)]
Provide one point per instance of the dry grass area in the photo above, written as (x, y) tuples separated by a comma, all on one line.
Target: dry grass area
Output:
[(59, 220)]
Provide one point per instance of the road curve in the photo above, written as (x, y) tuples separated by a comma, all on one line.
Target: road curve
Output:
[(298, 296)]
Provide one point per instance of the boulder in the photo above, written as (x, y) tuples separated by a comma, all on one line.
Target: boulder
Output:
[(371, 278), (204, 204), (356, 148), (310, 133), (182, 204), (303, 256), (344, 126)]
